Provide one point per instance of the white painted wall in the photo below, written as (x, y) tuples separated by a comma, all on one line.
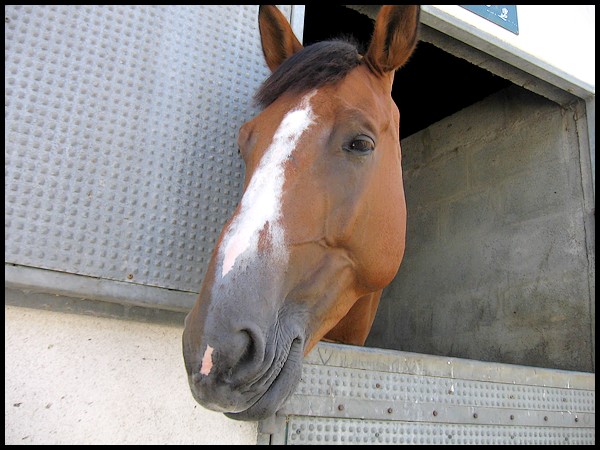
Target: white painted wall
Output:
[(75, 379), (559, 38)]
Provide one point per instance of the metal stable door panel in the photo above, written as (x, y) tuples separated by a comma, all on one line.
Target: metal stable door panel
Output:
[(121, 160), (353, 395)]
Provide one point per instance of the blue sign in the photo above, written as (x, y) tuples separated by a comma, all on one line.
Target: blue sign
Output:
[(503, 15)]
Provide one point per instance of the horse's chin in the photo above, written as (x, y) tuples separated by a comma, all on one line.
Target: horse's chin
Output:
[(279, 391)]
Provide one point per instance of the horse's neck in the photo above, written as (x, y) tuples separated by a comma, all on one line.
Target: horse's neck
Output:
[(354, 328)]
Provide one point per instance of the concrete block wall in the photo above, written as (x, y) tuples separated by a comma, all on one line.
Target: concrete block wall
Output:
[(496, 265)]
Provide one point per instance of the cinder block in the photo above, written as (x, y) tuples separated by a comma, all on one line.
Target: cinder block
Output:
[(535, 193), (480, 122), (422, 226), (495, 211), (520, 148), (437, 181), (475, 213)]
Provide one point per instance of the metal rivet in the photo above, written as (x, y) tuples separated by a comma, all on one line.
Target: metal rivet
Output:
[(341, 407), (475, 416), (130, 276), (390, 410), (512, 417), (377, 385), (545, 418), (435, 413)]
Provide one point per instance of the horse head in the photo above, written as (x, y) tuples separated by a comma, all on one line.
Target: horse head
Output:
[(320, 228)]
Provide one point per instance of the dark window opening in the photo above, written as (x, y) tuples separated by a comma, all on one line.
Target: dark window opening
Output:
[(432, 85)]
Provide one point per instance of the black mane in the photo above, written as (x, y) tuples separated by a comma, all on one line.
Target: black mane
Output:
[(314, 66)]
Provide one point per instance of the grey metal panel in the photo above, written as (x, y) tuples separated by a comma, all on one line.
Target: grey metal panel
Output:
[(361, 395), (297, 20), (313, 430), (120, 145), (32, 280)]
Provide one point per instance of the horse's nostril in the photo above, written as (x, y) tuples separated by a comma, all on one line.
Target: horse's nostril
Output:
[(250, 347), (242, 350)]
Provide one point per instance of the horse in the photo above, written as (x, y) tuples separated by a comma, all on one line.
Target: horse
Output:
[(320, 228)]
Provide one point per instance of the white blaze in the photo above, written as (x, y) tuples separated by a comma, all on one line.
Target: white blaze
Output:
[(261, 203)]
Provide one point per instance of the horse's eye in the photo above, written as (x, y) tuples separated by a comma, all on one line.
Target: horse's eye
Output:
[(360, 145)]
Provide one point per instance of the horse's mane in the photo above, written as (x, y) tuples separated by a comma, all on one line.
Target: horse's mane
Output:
[(314, 66)]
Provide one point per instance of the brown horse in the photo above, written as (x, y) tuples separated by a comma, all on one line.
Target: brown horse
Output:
[(320, 228)]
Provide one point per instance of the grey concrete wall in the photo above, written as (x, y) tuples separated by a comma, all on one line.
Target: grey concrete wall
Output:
[(497, 266), (77, 379)]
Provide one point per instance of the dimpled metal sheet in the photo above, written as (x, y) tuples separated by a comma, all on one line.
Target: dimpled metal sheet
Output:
[(312, 430), (121, 160), (353, 395)]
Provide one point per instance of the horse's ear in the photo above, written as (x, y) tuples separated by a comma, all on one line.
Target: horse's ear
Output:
[(278, 40), (394, 38)]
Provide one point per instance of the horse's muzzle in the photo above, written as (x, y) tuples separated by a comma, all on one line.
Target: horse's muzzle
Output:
[(248, 374)]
